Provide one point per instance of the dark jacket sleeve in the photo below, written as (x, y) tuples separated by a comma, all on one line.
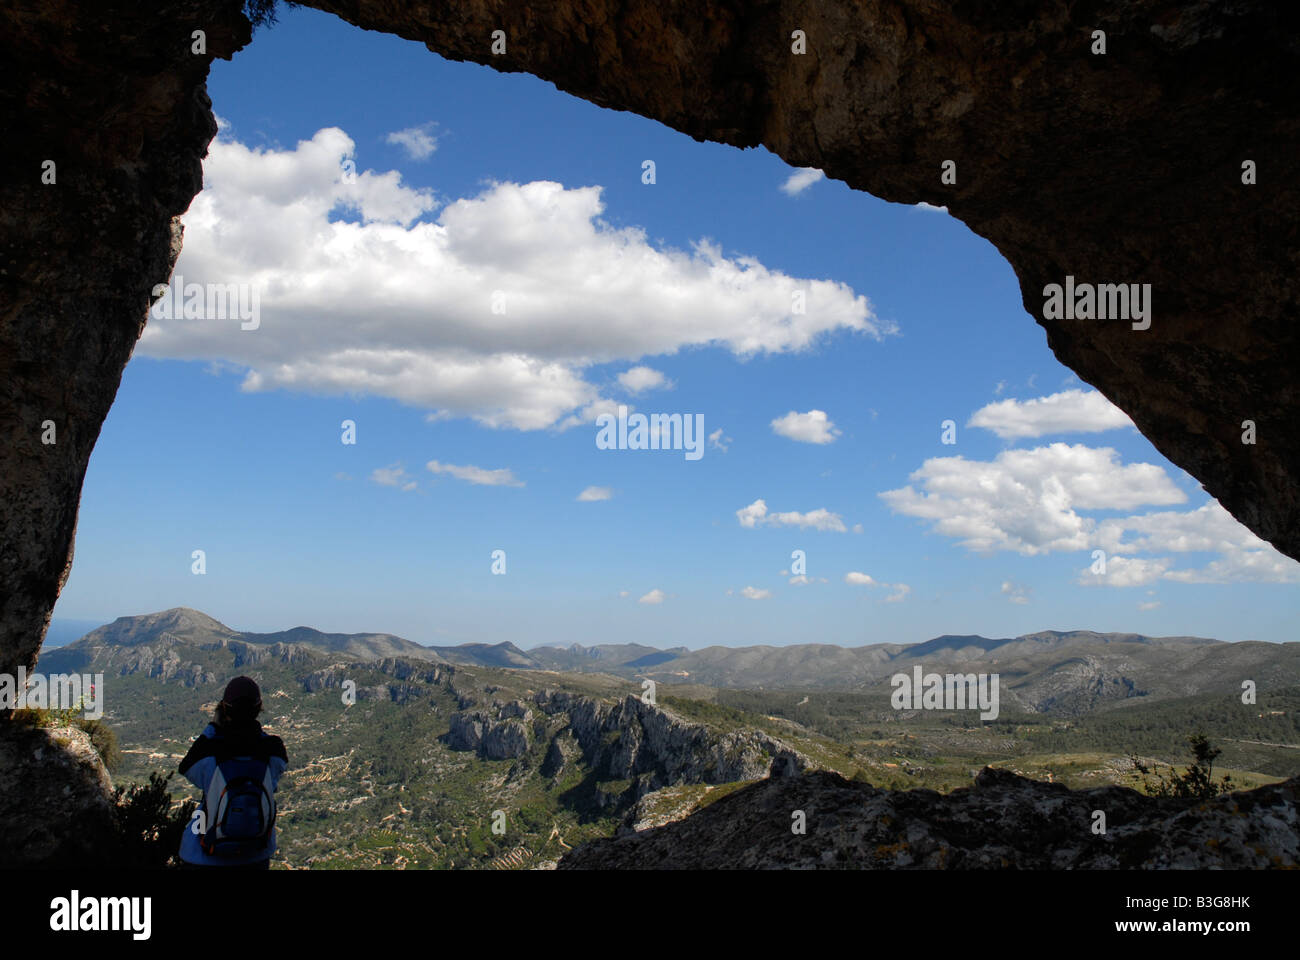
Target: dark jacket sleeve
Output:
[(200, 748), (275, 748)]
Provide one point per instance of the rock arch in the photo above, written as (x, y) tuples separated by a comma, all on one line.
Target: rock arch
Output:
[(1123, 167)]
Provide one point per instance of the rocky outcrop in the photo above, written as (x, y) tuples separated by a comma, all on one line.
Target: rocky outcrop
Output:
[(505, 741), (633, 740), (336, 674), (53, 779), (165, 658), (516, 709), (113, 96), (1003, 821), (415, 677), (1122, 167), (490, 738), (251, 654), (560, 754)]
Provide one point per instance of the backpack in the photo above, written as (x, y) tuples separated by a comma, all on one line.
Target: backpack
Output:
[(239, 805)]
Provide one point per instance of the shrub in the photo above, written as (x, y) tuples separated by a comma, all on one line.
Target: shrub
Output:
[(102, 736), (1197, 782), (149, 825)]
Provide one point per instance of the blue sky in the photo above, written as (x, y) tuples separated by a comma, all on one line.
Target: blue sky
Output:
[(375, 299)]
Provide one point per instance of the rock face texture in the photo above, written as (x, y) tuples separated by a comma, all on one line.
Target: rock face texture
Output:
[(1117, 168), (491, 739), (56, 803), (1122, 167), (1003, 821), (633, 740), (112, 95)]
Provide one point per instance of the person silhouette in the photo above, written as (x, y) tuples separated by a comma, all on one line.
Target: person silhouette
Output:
[(237, 767)]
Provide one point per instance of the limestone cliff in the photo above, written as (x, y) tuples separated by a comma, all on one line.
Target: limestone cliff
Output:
[(633, 740)]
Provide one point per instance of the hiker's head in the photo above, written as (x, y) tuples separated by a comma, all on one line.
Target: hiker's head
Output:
[(240, 704)]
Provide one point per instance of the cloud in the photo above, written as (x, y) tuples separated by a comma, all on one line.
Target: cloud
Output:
[(753, 514), (492, 307), (1028, 500), (640, 379), (929, 206), (801, 180), (393, 476), (1070, 411), (1015, 593), (753, 593), (718, 442), (1242, 556), (654, 596), (1034, 502), (592, 494), (1125, 572), (418, 142), (811, 427), (1149, 605), (588, 414), (477, 475), (900, 590), (1241, 566), (821, 519)]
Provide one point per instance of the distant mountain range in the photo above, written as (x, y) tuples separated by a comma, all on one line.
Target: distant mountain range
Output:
[(1065, 672)]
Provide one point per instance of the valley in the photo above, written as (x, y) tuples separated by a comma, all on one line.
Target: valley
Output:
[(445, 760)]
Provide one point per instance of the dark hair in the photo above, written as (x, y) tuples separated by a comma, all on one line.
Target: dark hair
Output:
[(239, 705), (239, 714)]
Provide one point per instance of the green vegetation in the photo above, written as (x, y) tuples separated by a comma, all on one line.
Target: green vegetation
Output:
[(374, 784), (149, 824), (1197, 781), (102, 736)]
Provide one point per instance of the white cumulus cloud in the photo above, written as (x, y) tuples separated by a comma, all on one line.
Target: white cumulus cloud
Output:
[(592, 494), (811, 427), (801, 180), (1070, 411), (820, 519), (1029, 500), (641, 379), (492, 307)]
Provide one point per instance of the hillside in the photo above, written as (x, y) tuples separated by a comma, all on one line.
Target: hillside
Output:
[(1061, 673), (413, 768)]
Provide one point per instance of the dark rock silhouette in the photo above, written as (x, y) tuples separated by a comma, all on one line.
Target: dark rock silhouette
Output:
[(1117, 168), (1003, 821)]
